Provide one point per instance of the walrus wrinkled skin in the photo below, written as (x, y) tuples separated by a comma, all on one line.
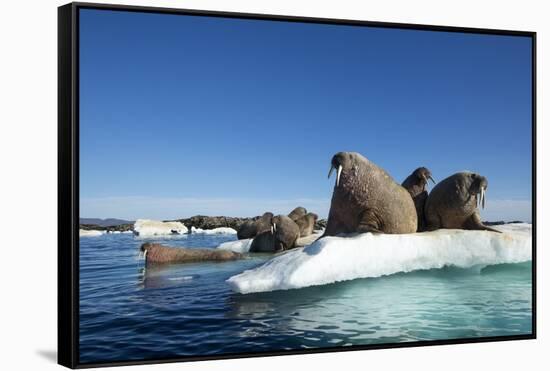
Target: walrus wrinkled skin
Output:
[(453, 203), (416, 185), (285, 232), (297, 213), (367, 199), (159, 254), (252, 228), (263, 242), (306, 224)]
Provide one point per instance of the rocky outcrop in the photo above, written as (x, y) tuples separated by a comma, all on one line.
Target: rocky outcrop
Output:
[(211, 222)]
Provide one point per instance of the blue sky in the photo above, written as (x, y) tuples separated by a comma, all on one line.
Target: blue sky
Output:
[(181, 115)]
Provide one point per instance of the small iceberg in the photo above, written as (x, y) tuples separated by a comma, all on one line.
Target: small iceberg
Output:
[(334, 259), (90, 233), (146, 228), (240, 246), (220, 230)]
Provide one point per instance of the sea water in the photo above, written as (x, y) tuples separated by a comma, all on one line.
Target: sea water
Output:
[(129, 312)]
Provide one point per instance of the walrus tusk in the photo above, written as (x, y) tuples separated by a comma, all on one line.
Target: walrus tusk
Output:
[(145, 256), (483, 198), (273, 228), (338, 175), (330, 171)]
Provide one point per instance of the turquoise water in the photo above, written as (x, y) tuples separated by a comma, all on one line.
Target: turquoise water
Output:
[(128, 312)]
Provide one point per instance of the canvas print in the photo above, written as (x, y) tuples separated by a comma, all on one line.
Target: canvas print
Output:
[(208, 226)]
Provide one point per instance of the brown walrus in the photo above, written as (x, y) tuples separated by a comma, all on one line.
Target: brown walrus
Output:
[(367, 199), (283, 235), (453, 203), (251, 228), (307, 224), (263, 242), (297, 213), (285, 232), (156, 253), (416, 184)]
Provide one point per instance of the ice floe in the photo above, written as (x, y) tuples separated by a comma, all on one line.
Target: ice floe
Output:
[(334, 259), (146, 228), (221, 230), (240, 246), (90, 233)]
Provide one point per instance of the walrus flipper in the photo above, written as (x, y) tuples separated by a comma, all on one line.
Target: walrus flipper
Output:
[(369, 223), (474, 223)]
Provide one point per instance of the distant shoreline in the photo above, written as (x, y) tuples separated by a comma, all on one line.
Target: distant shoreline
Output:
[(211, 222)]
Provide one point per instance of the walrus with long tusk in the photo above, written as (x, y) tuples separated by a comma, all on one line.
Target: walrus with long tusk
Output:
[(367, 199), (155, 253), (251, 228), (263, 242), (285, 232), (454, 203), (416, 184)]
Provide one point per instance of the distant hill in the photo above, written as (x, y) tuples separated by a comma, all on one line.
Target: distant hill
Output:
[(109, 222)]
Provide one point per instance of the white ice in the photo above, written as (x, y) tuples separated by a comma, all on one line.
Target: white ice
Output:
[(221, 230), (334, 259), (240, 246), (243, 246), (146, 227), (90, 233)]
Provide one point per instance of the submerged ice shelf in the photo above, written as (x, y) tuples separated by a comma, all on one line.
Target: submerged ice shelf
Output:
[(335, 259)]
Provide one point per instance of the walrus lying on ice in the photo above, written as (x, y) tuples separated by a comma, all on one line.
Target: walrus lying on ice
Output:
[(367, 199), (282, 236), (156, 253), (453, 203)]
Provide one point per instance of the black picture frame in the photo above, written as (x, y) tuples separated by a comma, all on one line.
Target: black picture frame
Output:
[(68, 179)]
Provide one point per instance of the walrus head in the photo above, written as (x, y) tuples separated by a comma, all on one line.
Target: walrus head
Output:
[(297, 213), (477, 186), (423, 174), (340, 162), (267, 216), (145, 248)]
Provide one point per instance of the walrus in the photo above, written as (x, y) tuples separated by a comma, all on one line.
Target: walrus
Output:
[(251, 228), (454, 203), (263, 242), (367, 199), (297, 213), (416, 185), (156, 253), (285, 232), (306, 224)]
